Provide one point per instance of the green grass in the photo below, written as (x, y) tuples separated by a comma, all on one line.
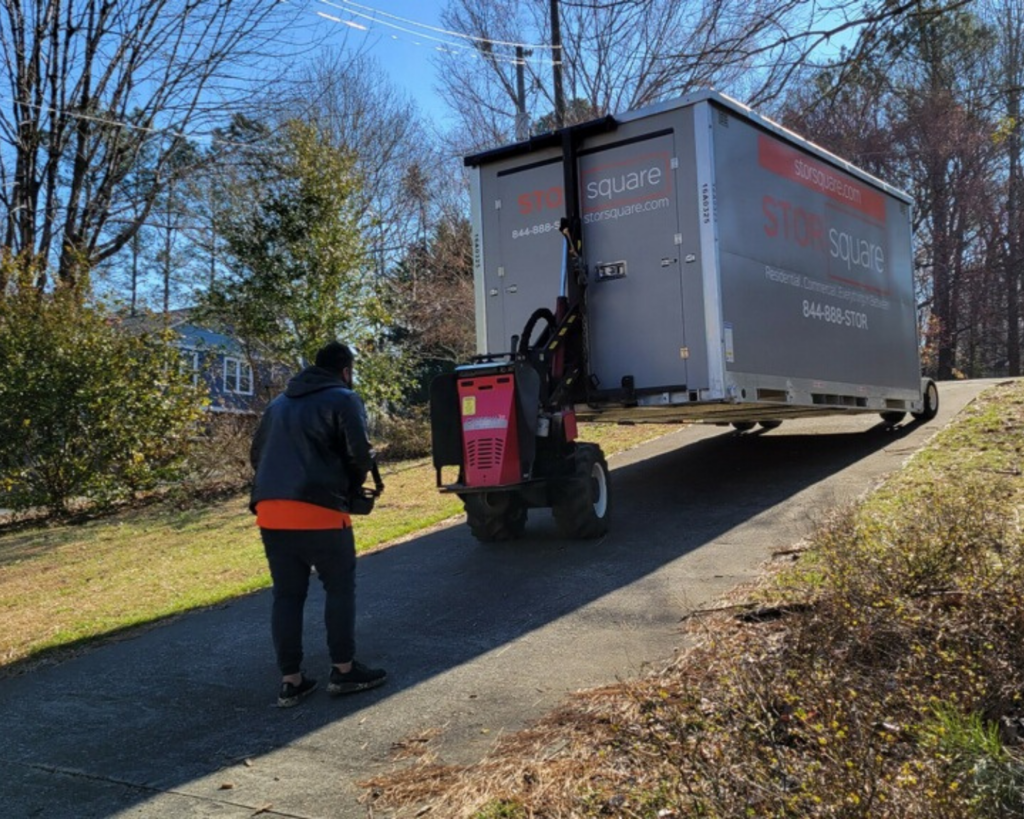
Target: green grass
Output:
[(63, 586), (967, 737), (972, 747), (500, 809)]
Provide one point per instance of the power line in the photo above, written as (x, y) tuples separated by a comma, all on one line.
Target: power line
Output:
[(384, 23), (448, 32), (446, 45), (123, 124)]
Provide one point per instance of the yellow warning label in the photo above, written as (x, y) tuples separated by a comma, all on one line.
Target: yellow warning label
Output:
[(469, 405)]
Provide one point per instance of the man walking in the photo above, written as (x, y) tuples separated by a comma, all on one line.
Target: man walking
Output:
[(310, 453)]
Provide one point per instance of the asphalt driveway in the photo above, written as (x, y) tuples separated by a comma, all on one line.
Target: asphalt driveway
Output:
[(478, 640)]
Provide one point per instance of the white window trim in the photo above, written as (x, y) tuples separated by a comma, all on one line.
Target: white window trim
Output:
[(186, 352), (239, 367)]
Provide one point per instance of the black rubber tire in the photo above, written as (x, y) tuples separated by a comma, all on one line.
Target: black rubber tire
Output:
[(743, 426), (930, 392), (892, 417), (495, 516), (766, 425), (582, 507)]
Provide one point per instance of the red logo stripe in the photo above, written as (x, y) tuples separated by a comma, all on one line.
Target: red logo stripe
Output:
[(798, 167)]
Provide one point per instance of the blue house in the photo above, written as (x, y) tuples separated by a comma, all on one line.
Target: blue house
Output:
[(238, 382)]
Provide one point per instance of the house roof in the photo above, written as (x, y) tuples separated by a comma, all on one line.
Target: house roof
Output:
[(193, 336)]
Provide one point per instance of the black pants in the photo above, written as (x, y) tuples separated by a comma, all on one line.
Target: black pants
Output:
[(291, 554)]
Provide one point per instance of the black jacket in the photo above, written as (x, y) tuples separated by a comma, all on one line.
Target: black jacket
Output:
[(311, 444)]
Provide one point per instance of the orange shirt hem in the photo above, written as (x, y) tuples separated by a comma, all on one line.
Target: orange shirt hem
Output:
[(292, 514)]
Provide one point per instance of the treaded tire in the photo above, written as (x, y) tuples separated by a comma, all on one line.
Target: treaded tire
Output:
[(931, 402), (892, 417), (495, 516), (743, 426), (767, 425), (582, 507)]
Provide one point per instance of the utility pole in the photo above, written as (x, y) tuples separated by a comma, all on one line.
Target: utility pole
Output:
[(556, 53), (522, 121)]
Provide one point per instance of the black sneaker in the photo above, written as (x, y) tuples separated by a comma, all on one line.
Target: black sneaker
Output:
[(291, 694), (359, 678)]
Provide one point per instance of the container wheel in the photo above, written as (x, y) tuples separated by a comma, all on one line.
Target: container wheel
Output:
[(495, 516), (892, 417), (583, 504), (773, 424), (931, 401), (743, 426)]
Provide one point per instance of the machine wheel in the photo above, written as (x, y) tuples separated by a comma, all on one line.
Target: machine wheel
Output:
[(892, 417), (495, 516), (743, 426), (583, 505), (766, 425), (931, 402)]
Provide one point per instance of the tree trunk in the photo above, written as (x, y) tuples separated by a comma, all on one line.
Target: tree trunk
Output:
[(1013, 221)]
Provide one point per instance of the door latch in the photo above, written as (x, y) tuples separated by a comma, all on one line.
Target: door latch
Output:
[(610, 270)]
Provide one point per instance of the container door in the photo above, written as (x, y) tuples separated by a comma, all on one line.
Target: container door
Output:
[(631, 241), (530, 207)]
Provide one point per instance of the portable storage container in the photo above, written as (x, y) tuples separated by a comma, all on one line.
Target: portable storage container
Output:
[(735, 272)]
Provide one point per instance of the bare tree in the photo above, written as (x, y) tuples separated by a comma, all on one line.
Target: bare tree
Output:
[(941, 73), (89, 85), (349, 97), (917, 113), (435, 290), (1006, 17), (413, 196), (617, 56), (623, 54)]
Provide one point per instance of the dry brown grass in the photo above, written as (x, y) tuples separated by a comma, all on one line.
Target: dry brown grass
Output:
[(880, 675)]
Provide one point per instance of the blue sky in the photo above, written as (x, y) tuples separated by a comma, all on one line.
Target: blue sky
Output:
[(406, 55)]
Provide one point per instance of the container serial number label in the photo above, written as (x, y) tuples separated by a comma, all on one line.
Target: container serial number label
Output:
[(835, 315)]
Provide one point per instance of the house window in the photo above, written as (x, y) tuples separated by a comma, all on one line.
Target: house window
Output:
[(237, 376), (190, 364)]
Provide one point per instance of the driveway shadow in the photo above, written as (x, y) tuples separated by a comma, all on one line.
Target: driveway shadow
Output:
[(183, 701)]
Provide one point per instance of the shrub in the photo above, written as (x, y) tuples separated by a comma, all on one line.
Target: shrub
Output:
[(403, 437), (934, 538), (88, 409), (219, 456)]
